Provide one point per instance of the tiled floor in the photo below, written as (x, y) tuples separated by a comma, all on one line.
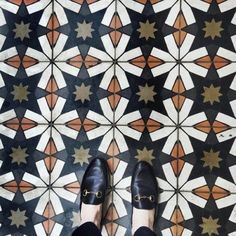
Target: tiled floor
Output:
[(127, 80)]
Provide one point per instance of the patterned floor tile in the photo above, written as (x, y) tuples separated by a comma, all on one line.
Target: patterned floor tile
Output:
[(25, 152), (210, 96), (193, 172), (226, 116), (23, 211), (226, 137), (77, 99), (216, 216), (206, 163), (137, 94), (180, 91), (91, 32), (60, 206), (142, 25), (126, 80), (25, 92), (25, 26), (207, 30)]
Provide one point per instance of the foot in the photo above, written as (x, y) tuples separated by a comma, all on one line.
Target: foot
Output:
[(91, 213), (144, 196), (93, 190), (142, 218)]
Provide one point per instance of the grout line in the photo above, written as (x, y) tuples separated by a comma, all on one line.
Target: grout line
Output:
[(113, 131), (122, 125), (51, 103), (115, 48), (112, 61), (49, 198), (191, 191), (113, 86), (178, 117), (178, 101), (51, 96), (125, 189), (52, 15), (50, 150), (121, 61)]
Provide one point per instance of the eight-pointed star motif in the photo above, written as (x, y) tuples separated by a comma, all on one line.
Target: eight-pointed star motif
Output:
[(75, 219), (84, 30), (210, 226), (211, 94), (20, 92), (22, 30), (145, 155), (211, 159), (19, 155), (146, 93), (81, 155), (18, 217), (82, 92), (213, 29), (147, 30)]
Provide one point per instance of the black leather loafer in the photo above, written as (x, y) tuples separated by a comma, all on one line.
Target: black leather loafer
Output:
[(144, 187), (95, 182)]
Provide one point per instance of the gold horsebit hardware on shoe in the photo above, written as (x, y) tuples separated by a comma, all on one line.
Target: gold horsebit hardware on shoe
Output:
[(97, 194), (138, 198)]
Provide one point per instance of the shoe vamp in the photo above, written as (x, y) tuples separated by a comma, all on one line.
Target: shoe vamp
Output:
[(144, 188)]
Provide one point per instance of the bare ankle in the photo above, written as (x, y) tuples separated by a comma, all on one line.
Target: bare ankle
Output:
[(142, 218), (91, 213)]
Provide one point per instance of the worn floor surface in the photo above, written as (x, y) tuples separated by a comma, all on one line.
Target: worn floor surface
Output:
[(126, 80)]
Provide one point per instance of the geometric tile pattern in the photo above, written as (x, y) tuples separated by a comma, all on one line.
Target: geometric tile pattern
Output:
[(127, 80)]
